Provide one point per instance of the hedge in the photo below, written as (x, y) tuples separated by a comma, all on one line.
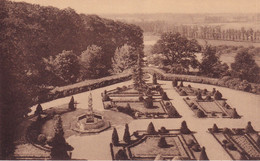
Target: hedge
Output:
[(84, 86), (227, 81)]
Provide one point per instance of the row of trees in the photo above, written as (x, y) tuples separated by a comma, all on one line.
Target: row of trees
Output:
[(177, 55), (46, 46), (216, 33)]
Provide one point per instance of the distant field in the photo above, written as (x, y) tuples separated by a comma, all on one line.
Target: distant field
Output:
[(231, 43), (150, 40)]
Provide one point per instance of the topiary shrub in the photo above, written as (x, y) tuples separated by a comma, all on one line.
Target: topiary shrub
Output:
[(217, 95), (181, 84), (174, 83), (71, 104), (249, 128), (200, 113), (154, 79), (106, 98), (187, 98), (198, 96), (38, 109), (164, 96), (148, 102), (151, 129), (184, 128), (213, 91), (108, 106), (115, 139), (203, 155), (194, 107), (227, 131), (172, 112), (224, 142), (126, 136), (189, 86), (227, 106), (162, 143), (196, 148), (190, 142), (183, 93), (163, 130), (215, 129), (121, 155), (141, 98), (41, 139), (234, 113), (208, 98), (231, 146)]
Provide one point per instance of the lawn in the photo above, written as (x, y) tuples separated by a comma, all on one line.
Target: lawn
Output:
[(139, 106), (209, 106), (149, 148)]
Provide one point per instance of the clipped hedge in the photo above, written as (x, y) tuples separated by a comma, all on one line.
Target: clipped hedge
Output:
[(84, 86), (227, 81)]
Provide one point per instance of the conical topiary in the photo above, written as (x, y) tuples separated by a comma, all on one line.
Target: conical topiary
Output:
[(249, 128), (126, 136), (121, 155), (151, 129), (164, 96), (184, 128), (154, 79), (203, 155), (199, 97), (115, 139), (38, 109), (181, 84), (217, 95), (71, 103), (162, 143), (234, 113), (174, 83), (183, 93), (200, 113), (214, 91), (215, 128), (227, 131)]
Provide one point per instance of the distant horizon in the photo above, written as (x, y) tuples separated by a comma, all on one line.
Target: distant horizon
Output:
[(117, 7)]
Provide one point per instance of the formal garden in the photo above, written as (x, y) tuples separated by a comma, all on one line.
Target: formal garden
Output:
[(176, 144), (239, 143)]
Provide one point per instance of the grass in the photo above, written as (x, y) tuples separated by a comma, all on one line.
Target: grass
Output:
[(150, 147), (210, 107), (139, 106)]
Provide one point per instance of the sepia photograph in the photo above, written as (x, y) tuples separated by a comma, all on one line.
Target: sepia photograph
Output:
[(130, 80)]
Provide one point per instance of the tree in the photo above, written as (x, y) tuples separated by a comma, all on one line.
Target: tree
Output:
[(65, 66), (178, 50), (121, 155), (126, 136), (92, 64), (211, 65), (59, 145), (162, 143), (203, 155), (245, 67), (38, 109), (154, 79), (124, 58), (115, 139), (138, 75)]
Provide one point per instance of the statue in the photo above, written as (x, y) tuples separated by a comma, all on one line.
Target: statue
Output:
[(90, 114)]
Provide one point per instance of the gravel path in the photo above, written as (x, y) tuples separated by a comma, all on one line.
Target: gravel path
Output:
[(97, 146)]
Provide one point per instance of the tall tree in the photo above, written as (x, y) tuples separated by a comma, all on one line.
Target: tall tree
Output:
[(245, 67), (211, 65), (178, 50), (138, 75), (59, 145), (125, 57), (92, 62)]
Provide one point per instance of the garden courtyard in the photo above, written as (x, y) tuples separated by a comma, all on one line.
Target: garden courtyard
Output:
[(96, 146)]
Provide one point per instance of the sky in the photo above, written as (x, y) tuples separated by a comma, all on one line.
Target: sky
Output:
[(153, 6)]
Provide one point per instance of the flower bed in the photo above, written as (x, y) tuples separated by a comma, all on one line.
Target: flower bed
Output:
[(239, 143)]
